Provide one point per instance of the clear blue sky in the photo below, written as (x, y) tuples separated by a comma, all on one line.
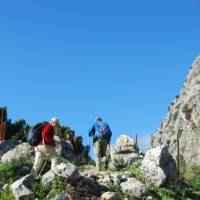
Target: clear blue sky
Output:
[(123, 60)]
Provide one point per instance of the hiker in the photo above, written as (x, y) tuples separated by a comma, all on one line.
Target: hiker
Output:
[(79, 150), (71, 138), (101, 133), (46, 147)]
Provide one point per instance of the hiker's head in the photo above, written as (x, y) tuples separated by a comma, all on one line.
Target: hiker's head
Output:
[(98, 119), (80, 139), (55, 122)]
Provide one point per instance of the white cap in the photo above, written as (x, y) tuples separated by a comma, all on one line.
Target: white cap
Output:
[(55, 120)]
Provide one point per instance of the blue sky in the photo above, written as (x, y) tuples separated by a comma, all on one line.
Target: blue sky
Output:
[(123, 60)]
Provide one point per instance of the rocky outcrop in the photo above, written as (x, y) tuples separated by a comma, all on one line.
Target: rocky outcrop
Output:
[(183, 119), (123, 153), (158, 166), (64, 148), (21, 188), (21, 152), (7, 145)]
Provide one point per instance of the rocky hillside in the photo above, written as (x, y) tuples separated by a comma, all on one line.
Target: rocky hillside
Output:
[(183, 118), (128, 175)]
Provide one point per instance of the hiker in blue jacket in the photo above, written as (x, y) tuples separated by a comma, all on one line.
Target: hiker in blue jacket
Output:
[(101, 133)]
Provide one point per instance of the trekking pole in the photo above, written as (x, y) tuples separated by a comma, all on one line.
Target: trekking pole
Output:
[(42, 167), (1, 133), (108, 156), (88, 156)]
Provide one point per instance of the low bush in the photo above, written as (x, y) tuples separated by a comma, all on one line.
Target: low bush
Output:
[(10, 172)]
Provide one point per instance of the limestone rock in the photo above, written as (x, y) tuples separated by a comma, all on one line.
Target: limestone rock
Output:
[(134, 188), (64, 148), (47, 180), (67, 171), (7, 145), (110, 196), (183, 118), (21, 188), (21, 152), (124, 140), (158, 166)]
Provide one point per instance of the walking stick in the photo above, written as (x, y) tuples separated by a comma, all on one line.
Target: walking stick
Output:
[(107, 157), (42, 167), (88, 156)]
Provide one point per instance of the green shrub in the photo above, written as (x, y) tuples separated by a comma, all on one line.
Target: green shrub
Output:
[(135, 171), (162, 193), (9, 172), (7, 194), (39, 192), (59, 185), (191, 171), (116, 188)]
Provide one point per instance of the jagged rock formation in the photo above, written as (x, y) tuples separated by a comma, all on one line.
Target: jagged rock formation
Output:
[(183, 118)]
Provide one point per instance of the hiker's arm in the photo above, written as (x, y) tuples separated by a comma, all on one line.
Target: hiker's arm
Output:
[(91, 131)]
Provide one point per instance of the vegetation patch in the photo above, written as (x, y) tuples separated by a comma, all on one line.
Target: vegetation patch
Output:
[(10, 172), (135, 171), (7, 194)]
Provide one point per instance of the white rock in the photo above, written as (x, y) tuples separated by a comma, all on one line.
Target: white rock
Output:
[(47, 180), (158, 166), (21, 152), (134, 187), (20, 188), (124, 140), (110, 196), (67, 171)]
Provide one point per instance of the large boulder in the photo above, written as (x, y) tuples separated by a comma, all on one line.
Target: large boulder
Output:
[(21, 152), (134, 188), (7, 145), (158, 166), (64, 148), (67, 171), (47, 180), (21, 188)]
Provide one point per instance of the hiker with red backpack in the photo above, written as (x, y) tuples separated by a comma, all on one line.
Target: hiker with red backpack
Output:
[(101, 133), (46, 145)]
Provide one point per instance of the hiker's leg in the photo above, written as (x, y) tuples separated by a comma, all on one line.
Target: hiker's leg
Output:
[(38, 162), (104, 145), (54, 157), (54, 163), (97, 151)]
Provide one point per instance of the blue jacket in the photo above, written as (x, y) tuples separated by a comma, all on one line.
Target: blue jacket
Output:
[(95, 130)]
